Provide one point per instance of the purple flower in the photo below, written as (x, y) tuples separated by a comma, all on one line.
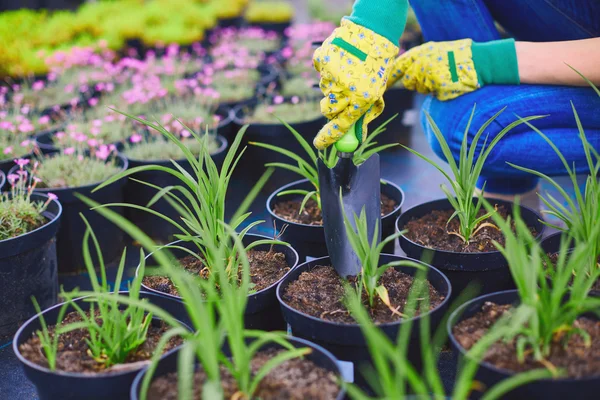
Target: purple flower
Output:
[(21, 162), (69, 150)]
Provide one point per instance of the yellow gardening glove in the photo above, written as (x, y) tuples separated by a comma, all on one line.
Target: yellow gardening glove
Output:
[(354, 63), (450, 69)]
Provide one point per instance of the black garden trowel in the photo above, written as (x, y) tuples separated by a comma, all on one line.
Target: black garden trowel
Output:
[(360, 188)]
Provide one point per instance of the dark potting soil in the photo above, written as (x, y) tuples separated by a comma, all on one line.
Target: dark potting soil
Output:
[(554, 258), (266, 268), (311, 215), (73, 354), (431, 231), (319, 292), (576, 358), (296, 379)]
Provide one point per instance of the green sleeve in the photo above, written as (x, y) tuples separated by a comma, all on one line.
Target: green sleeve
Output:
[(384, 17), (496, 62)]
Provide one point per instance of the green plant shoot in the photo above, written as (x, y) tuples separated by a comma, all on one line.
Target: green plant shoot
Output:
[(465, 173)]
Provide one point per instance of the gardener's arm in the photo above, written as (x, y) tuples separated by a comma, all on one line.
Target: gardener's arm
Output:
[(544, 63), (355, 63)]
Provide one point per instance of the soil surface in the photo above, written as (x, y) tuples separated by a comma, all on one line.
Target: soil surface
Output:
[(73, 354), (296, 379), (576, 358), (266, 268), (319, 292), (311, 215), (554, 258), (431, 231)]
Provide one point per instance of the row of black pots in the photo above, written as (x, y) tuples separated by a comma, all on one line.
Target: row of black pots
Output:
[(489, 375)]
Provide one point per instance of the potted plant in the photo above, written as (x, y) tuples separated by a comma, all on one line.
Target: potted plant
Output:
[(456, 232), (53, 97), (77, 171), (229, 358), (28, 226), (548, 323), (296, 205), (313, 305), (265, 125), (200, 221), (156, 150), (97, 345)]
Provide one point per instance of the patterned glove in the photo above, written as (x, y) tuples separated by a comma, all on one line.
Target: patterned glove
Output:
[(354, 63), (450, 69)]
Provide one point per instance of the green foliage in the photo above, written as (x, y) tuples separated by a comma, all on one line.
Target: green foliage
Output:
[(202, 215), (547, 308), (466, 172), (269, 12), (73, 170), (292, 113), (48, 342), (309, 170), (157, 148)]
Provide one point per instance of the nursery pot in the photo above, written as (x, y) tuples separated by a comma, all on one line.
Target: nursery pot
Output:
[(346, 341), (2, 180), (9, 163), (28, 268), (53, 385), (309, 240), (488, 270), (318, 355), (139, 194), (72, 227), (254, 159), (262, 310), (399, 101), (489, 375)]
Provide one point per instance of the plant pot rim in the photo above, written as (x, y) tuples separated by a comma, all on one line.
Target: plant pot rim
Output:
[(124, 165), (2, 179), (221, 149), (179, 298), (455, 317), (272, 198), (454, 253), (12, 159), (51, 221), (78, 375), (380, 326), (236, 119)]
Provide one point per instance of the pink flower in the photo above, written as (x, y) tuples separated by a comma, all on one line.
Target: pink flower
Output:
[(92, 142), (185, 133), (12, 178), (25, 143), (93, 102), (36, 179), (8, 150), (69, 150), (295, 100), (136, 138), (44, 120), (60, 135), (97, 123), (21, 162), (52, 196), (38, 85), (278, 99)]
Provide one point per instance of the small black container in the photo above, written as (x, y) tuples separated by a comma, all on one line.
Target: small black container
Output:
[(489, 270), (72, 228), (233, 22), (254, 159), (346, 341), (318, 355), (139, 194), (9, 163), (28, 268), (309, 240), (489, 375), (397, 101), (262, 310), (74, 386), (2, 180)]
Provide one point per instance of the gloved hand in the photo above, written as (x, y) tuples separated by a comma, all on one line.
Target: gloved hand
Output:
[(354, 63), (450, 69)]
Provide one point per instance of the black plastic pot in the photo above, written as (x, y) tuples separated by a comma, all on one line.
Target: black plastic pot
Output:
[(9, 163), (74, 386), (489, 375), (140, 194), (72, 227), (2, 180), (318, 355), (262, 310), (28, 267), (278, 27), (397, 101), (233, 22), (254, 159), (346, 341), (489, 270), (309, 240)]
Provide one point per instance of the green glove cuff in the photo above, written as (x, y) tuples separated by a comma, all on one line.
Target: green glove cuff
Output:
[(384, 17), (496, 62)]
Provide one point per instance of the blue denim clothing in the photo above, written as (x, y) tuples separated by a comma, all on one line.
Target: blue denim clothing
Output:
[(526, 20)]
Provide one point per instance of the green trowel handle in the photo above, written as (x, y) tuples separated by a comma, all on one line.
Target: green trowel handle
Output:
[(349, 142)]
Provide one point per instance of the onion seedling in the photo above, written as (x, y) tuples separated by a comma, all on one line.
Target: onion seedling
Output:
[(309, 169), (466, 172)]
